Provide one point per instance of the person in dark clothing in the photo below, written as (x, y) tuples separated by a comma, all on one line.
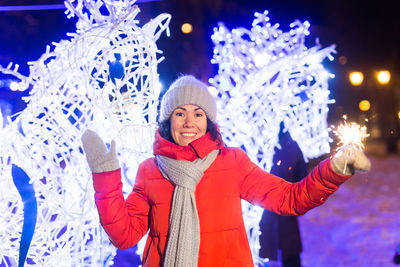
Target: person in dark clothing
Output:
[(280, 236)]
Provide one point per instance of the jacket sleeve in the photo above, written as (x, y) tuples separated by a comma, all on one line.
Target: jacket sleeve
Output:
[(125, 221), (275, 194)]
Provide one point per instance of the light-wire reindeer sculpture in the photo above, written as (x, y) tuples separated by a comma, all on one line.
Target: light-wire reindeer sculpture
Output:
[(104, 76), (266, 76)]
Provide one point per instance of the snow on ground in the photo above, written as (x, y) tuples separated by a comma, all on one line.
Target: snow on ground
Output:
[(359, 225)]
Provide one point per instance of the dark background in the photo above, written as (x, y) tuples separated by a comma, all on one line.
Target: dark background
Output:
[(366, 35)]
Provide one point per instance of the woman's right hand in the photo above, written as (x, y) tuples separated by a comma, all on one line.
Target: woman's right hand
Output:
[(97, 154)]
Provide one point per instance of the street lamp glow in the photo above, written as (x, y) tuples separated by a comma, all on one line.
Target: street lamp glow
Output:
[(383, 76), (398, 115), (364, 105), (356, 78), (187, 28)]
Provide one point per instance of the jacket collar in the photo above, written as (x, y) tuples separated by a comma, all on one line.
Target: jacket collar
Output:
[(198, 148)]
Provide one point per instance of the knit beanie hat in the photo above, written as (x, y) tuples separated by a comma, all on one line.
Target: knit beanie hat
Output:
[(184, 91)]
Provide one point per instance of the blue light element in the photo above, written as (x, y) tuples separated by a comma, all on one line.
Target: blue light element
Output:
[(116, 68), (27, 193)]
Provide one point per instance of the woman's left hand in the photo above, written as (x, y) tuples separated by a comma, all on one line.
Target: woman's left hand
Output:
[(350, 159)]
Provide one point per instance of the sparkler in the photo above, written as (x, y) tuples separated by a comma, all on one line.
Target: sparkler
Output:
[(350, 134)]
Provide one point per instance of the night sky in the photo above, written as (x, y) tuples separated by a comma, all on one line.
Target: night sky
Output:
[(367, 33)]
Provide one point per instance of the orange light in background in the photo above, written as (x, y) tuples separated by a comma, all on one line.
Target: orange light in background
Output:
[(383, 76), (398, 115), (343, 60), (364, 105), (187, 28), (356, 78)]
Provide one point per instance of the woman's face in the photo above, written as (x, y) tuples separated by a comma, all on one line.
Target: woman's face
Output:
[(188, 123)]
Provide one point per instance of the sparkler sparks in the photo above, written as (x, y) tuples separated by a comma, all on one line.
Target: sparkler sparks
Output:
[(351, 134)]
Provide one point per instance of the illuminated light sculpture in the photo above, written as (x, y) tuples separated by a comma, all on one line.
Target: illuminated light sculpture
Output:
[(104, 77), (266, 76)]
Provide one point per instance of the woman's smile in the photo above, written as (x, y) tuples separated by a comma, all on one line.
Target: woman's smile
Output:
[(188, 123)]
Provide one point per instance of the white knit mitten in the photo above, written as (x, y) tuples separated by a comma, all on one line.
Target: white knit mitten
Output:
[(350, 159), (97, 155)]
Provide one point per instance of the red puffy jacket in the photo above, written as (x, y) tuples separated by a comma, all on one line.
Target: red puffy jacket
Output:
[(231, 178)]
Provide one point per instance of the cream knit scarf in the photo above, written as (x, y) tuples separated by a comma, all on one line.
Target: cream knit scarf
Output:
[(182, 249)]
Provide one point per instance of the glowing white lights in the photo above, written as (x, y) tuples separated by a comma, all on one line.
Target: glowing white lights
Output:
[(104, 77), (213, 91), (266, 76), (14, 86), (350, 134), (280, 79)]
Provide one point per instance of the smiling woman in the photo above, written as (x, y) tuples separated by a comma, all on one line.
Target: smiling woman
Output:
[(189, 195), (188, 123), (164, 131), (188, 112)]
